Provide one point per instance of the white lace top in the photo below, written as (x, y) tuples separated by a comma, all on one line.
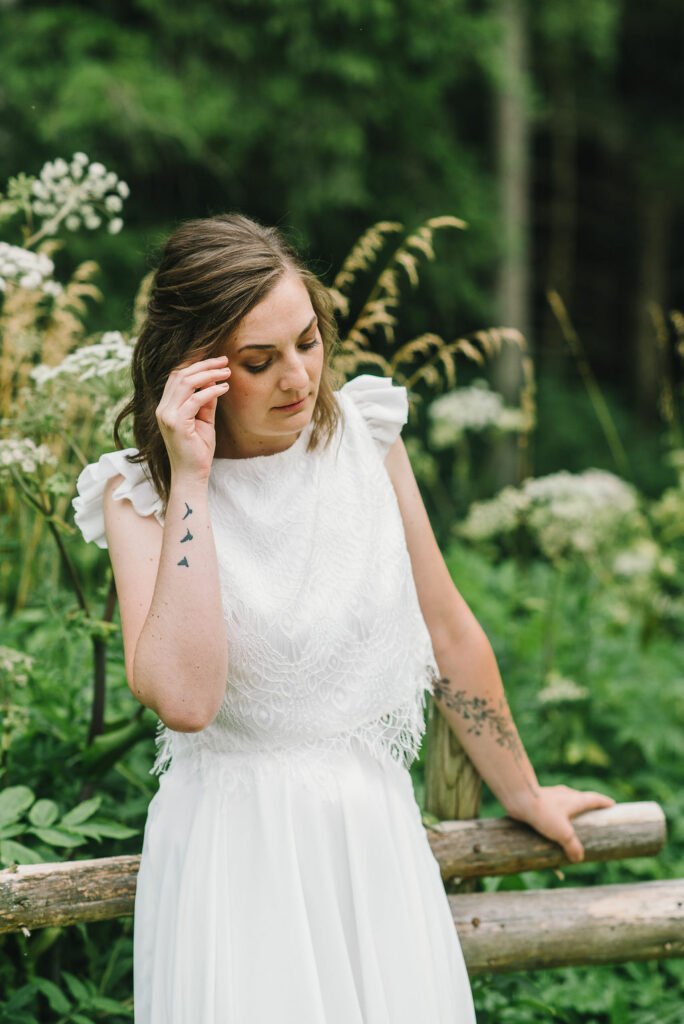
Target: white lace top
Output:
[(327, 643)]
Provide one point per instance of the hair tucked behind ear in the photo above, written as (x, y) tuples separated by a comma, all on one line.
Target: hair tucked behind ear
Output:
[(213, 271)]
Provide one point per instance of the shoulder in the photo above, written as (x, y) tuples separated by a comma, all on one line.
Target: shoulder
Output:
[(115, 477), (380, 403)]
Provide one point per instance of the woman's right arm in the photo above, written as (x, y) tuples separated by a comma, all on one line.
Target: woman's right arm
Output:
[(174, 634), (167, 580)]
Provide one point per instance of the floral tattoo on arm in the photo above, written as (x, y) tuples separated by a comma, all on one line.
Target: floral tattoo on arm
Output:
[(482, 715)]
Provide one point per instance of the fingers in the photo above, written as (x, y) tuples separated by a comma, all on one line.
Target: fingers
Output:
[(188, 388), (588, 800)]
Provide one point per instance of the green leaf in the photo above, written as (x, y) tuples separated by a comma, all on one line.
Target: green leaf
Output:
[(76, 987), (107, 748), (7, 831), (82, 811), (54, 995), (109, 829), (17, 853), (20, 998), (55, 837), (110, 1006), (13, 802), (44, 813)]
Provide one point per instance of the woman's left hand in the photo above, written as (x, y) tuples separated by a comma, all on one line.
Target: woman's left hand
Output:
[(549, 813)]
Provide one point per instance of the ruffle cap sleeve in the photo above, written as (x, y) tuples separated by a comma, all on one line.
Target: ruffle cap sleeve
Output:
[(136, 486), (382, 403)]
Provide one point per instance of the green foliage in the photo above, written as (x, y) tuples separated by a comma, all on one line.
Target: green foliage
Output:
[(618, 730), (42, 820)]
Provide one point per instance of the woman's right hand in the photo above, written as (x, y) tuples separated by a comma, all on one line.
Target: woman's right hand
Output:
[(186, 415)]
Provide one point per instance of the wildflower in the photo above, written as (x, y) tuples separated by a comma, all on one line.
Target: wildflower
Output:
[(559, 690), (638, 560), (22, 453), (77, 193), (474, 408), (26, 269), (15, 666), (566, 513), (111, 354)]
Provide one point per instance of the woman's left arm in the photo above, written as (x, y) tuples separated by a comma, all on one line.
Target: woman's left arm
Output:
[(470, 694)]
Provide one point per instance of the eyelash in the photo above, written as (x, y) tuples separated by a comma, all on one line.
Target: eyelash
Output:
[(258, 369)]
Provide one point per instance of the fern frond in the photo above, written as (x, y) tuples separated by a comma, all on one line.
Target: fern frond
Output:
[(410, 264), (446, 221), (417, 346), (364, 252)]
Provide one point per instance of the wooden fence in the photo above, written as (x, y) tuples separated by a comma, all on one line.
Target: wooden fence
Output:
[(499, 931)]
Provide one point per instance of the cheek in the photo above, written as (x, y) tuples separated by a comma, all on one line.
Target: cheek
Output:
[(245, 387)]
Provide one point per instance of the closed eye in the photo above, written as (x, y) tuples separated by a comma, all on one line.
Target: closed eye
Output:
[(262, 366)]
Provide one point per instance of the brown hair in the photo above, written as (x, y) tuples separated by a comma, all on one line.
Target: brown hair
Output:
[(213, 271)]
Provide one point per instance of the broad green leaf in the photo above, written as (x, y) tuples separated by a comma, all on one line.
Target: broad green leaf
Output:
[(107, 748), (20, 998), (81, 812), (17, 853), (78, 990), (109, 829), (54, 995), (13, 802), (55, 837), (108, 1005), (8, 831), (44, 813)]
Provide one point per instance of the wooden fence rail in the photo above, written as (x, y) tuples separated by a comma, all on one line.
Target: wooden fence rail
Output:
[(499, 931)]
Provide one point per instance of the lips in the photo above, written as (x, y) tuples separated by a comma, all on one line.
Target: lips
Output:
[(290, 404)]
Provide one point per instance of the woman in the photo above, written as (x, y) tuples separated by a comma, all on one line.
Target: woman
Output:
[(284, 609)]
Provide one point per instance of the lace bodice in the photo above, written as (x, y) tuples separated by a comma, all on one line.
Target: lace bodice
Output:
[(327, 643)]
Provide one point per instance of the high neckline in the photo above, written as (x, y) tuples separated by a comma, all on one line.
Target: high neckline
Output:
[(264, 460)]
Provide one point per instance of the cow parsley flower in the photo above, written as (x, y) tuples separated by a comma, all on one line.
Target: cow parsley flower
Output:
[(79, 194), (566, 513), (111, 354), (474, 408), (559, 690), (27, 269), (22, 453)]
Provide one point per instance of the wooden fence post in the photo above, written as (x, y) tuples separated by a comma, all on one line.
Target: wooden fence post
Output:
[(452, 785)]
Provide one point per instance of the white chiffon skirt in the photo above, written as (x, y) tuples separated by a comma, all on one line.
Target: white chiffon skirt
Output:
[(269, 903)]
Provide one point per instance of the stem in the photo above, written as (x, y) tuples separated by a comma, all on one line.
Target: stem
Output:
[(593, 390), (100, 667), (68, 565), (549, 649), (66, 561), (54, 221)]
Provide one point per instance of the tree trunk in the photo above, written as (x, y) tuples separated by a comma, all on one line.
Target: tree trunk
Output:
[(513, 289), (651, 295)]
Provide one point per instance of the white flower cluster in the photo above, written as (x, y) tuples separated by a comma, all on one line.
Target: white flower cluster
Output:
[(111, 354), (22, 453), (15, 665), (26, 269), (640, 559), (565, 512), (559, 690), (78, 193), (474, 408)]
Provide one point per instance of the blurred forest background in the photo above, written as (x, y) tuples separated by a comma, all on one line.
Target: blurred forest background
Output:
[(554, 131)]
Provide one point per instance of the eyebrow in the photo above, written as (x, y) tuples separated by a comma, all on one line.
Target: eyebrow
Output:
[(307, 328)]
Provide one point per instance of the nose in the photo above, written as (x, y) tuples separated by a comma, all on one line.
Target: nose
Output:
[(294, 377)]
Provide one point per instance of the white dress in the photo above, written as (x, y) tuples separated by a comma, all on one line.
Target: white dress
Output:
[(285, 873)]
